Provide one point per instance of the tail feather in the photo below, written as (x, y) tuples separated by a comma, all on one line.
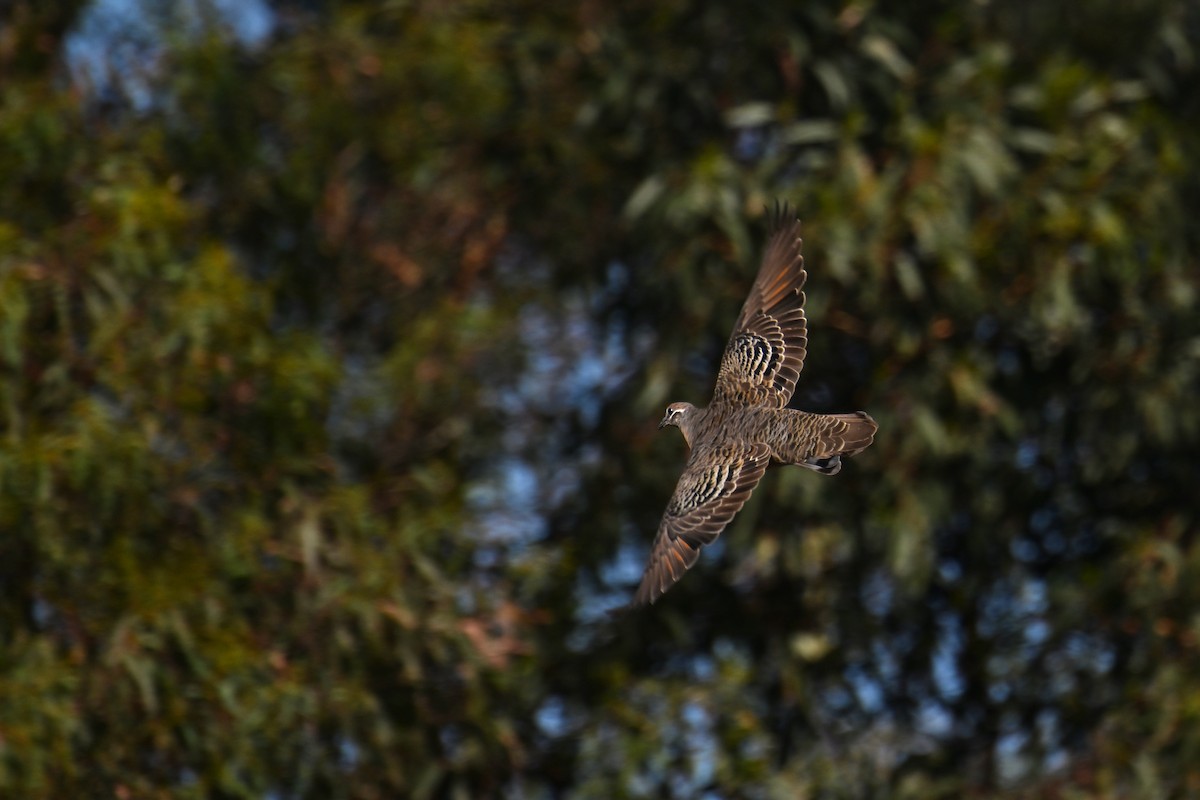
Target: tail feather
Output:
[(849, 434), (818, 441)]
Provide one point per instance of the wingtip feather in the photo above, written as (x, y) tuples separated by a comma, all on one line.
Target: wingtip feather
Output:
[(781, 214)]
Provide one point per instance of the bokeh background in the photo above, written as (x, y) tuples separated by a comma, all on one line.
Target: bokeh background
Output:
[(333, 338)]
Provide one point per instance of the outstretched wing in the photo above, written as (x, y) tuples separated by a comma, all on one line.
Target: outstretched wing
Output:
[(766, 351), (713, 487)]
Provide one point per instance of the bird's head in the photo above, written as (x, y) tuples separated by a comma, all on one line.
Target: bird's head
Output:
[(678, 415)]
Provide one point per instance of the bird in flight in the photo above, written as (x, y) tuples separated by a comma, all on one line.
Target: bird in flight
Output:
[(746, 425)]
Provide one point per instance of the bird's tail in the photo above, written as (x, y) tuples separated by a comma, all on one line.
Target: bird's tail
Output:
[(818, 441)]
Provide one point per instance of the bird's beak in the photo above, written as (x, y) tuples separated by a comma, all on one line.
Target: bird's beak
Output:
[(662, 423)]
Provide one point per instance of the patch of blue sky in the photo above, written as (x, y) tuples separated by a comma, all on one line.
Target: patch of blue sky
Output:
[(116, 46)]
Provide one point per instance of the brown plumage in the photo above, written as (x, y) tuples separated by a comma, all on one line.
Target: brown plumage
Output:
[(746, 425)]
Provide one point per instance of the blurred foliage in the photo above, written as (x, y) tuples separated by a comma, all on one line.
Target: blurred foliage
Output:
[(329, 368)]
